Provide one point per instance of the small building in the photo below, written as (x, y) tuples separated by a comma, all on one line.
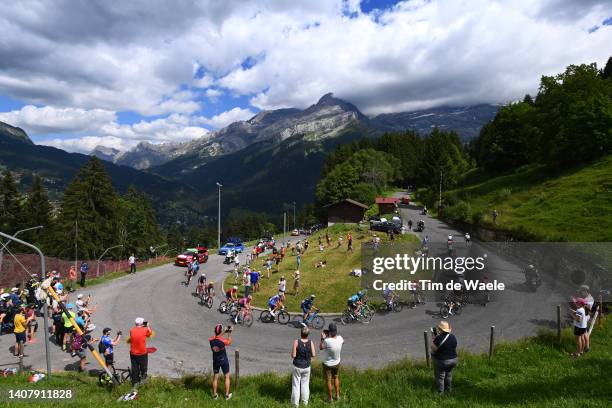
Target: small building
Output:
[(387, 205), (345, 211)]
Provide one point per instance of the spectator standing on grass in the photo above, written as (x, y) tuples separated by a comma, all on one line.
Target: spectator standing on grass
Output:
[(494, 215), (302, 352), (444, 353), (254, 276), (132, 261), (84, 270), (349, 242), (139, 357), (72, 277), (332, 344), (282, 285), (298, 260), (296, 282), (246, 280), (581, 321), (268, 267), (218, 344)]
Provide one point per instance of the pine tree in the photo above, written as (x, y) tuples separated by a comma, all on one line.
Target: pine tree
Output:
[(139, 228), (606, 73), (38, 211), (89, 214), (11, 205)]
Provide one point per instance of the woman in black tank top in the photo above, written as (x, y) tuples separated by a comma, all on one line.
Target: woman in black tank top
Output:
[(302, 352)]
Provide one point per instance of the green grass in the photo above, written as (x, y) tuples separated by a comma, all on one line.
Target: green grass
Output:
[(534, 372), (574, 205), (332, 284)]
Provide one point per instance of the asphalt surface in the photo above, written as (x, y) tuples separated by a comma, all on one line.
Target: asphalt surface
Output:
[(183, 326)]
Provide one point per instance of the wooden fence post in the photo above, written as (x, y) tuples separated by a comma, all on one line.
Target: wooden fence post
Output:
[(427, 355), (601, 311), (492, 342), (559, 323), (237, 371)]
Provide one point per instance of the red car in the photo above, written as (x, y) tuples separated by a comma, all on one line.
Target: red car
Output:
[(405, 200), (188, 256)]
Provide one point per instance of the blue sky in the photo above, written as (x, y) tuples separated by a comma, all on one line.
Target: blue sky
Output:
[(75, 79)]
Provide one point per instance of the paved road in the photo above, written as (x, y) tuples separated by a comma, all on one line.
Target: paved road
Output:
[(183, 326)]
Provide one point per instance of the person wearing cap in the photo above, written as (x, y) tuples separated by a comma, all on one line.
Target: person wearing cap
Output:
[(444, 353), (21, 324), (14, 298), (84, 270), (139, 357), (82, 305), (106, 347), (581, 321), (218, 344), (68, 328), (302, 352), (332, 344)]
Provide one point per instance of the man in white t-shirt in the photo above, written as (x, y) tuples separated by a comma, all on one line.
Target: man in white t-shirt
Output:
[(332, 344), (132, 261), (581, 320)]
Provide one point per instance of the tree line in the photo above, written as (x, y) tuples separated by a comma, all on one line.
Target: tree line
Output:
[(91, 218)]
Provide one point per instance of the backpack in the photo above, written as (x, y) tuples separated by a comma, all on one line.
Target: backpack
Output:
[(77, 342), (101, 348)]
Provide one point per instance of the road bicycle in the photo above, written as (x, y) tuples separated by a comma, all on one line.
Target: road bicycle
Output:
[(393, 305), (206, 299), (313, 321), (450, 306), (121, 375), (243, 318), (228, 307), (364, 315), (282, 316)]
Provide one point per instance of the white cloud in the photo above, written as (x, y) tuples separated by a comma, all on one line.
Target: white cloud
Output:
[(49, 119), (225, 118)]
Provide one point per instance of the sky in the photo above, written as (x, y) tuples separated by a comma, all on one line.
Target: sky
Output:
[(80, 73)]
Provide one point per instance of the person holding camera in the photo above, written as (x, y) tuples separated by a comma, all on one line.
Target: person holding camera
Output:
[(218, 344), (302, 352), (444, 353), (332, 344), (139, 357), (106, 347)]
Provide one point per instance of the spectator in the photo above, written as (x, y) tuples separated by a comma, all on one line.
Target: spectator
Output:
[(328, 239), (282, 285), (332, 343), (81, 342), (302, 352), (218, 343), (106, 347), (268, 267), (349, 241), (444, 353), (581, 319), (246, 281), (296, 283), (138, 350), (32, 323), (68, 328), (255, 281), (20, 322), (84, 270), (494, 215), (132, 261), (72, 277)]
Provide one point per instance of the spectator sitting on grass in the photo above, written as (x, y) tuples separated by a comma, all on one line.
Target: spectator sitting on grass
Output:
[(321, 264)]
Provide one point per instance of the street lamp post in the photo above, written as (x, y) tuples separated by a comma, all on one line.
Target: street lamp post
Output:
[(102, 256), (7, 244), (219, 185), (42, 278), (294, 226)]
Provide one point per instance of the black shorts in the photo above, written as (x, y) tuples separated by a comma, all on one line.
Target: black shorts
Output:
[(579, 331), (109, 359), (68, 329), (20, 337), (222, 365)]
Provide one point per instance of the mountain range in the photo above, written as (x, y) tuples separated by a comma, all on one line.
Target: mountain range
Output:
[(325, 119)]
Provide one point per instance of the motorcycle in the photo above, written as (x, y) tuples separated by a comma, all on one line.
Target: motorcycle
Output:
[(420, 227), (533, 283), (229, 259)]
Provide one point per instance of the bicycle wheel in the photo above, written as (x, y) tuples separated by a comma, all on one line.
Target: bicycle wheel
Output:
[(318, 322), (265, 316), (383, 308), (223, 306), (209, 302), (444, 311), (457, 309), (397, 307), (126, 375), (233, 313), (248, 320), (346, 318), (366, 316), (297, 321), (283, 317)]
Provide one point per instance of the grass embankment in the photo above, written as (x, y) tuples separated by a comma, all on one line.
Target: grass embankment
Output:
[(332, 284), (531, 373), (574, 205)]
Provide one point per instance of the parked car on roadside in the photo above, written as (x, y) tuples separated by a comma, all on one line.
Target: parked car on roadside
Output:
[(236, 246), (295, 233), (386, 226)]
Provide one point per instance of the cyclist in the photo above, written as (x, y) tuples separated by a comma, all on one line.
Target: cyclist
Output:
[(531, 274), (354, 303), (210, 289), (275, 303), (468, 238), (244, 305), (389, 297), (232, 294), (201, 284), (307, 306)]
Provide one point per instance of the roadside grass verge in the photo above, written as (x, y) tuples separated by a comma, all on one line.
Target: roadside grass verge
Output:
[(534, 372), (333, 284), (574, 205)]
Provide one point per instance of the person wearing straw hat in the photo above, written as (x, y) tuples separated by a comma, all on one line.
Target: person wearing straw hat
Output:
[(444, 353)]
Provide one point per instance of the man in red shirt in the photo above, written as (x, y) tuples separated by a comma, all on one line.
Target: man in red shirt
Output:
[(138, 350), (218, 344)]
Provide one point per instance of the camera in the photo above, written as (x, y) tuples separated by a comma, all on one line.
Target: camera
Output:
[(119, 333), (145, 324), (229, 329), (434, 331)]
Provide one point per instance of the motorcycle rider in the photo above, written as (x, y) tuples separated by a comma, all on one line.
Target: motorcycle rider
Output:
[(532, 275)]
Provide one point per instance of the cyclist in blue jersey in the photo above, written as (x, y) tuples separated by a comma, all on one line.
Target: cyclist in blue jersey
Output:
[(275, 303), (307, 306)]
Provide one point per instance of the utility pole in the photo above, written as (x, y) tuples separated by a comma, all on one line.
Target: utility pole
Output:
[(219, 185), (284, 226), (440, 203), (294, 225), (76, 245)]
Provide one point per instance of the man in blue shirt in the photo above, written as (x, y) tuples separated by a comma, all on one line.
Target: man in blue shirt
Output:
[(255, 281), (14, 297), (106, 346), (84, 270), (307, 305), (218, 343)]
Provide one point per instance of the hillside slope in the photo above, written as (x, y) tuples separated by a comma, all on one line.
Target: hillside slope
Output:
[(574, 205)]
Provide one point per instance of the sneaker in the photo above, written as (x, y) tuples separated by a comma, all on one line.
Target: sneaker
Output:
[(216, 396), (228, 396), (587, 349)]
